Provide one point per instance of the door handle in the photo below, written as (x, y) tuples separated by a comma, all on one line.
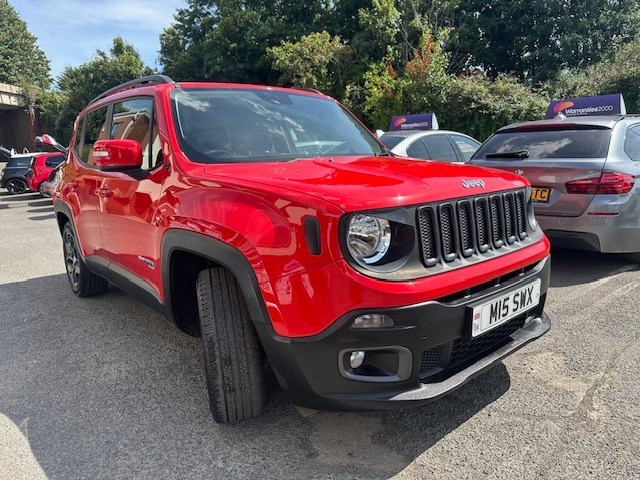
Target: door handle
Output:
[(104, 192)]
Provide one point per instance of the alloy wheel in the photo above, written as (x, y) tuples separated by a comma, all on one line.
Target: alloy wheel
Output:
[(16, 187), (72, 260)]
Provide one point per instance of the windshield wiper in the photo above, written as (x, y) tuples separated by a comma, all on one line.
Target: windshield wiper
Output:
[(514, 154)]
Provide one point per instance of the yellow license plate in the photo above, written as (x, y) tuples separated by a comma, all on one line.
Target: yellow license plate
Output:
[(540, 194)]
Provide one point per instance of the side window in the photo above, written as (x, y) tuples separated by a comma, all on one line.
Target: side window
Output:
[(95, 128), (54, 161), (418, 150), (440, 148), (134, 120), (632, 143), (466, 146)]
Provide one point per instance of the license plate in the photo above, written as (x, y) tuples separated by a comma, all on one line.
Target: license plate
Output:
[(540, 194), (498, 311)]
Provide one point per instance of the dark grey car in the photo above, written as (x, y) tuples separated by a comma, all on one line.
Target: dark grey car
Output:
[(583, 173), (13, 177)]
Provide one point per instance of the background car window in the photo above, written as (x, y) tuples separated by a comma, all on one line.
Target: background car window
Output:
[(632, 142), (440, 148), (418, 150), (132, 120), (568, 143), (391, 141), (54, 161), (466, 146), (95, 126), (20, 162)]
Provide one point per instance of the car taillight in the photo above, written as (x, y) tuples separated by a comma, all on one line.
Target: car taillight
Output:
[(606, 183)]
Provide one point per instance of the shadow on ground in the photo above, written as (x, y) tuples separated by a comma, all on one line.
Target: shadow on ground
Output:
[(106, 388), (576, 267)]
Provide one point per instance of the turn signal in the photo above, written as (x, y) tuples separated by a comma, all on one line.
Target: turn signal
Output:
[(606, 183)]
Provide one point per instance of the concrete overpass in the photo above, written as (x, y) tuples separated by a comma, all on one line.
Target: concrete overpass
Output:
[(17, 121)]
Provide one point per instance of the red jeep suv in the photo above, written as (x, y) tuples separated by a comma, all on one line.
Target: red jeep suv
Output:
[(271, 223)]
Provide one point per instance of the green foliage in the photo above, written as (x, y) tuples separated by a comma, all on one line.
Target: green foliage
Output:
[(618, 73), (21, 61), (79, 85), (473, 104), (536, 39), (314, 61)]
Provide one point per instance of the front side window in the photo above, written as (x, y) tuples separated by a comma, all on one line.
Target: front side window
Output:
[(133, 120), (466, 146), (566, 143), (254, 125), (95, 128), (418, 150)]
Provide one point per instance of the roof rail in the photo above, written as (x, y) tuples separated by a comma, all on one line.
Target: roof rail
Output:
[(138, 82), (307, 89)]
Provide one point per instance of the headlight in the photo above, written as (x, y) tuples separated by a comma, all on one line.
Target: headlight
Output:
[(368, 238), (533, 224)]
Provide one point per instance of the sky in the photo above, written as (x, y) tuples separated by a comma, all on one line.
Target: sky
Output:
[(70, 31)]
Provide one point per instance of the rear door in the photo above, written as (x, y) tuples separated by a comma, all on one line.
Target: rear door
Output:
[(549, 158), (440, 148)]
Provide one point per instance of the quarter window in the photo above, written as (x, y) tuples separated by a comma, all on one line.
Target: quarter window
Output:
[(632, 143)]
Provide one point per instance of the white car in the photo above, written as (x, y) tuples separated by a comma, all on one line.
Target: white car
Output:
[(441, 145)]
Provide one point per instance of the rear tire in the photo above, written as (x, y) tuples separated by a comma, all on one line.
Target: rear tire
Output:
[(16, 186), (84, 283), (235, 363), (41, 190)]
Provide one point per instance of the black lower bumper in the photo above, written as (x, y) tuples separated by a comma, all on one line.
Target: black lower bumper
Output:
[(430, 344)]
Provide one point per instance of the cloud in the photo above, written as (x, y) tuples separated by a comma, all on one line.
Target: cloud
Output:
[(70, 31)]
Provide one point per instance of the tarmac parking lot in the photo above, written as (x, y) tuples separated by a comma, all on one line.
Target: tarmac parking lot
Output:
[(106, 388)]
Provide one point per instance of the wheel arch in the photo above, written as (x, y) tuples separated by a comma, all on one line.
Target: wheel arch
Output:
[(184, 255)]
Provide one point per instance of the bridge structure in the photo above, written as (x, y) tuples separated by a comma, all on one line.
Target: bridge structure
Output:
[(17, 120)]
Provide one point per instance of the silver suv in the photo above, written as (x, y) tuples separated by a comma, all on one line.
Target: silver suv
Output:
[(583, 173)]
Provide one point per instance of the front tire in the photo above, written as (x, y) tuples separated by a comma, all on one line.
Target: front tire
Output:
[(84, 283), (235, 363), (16, 186)]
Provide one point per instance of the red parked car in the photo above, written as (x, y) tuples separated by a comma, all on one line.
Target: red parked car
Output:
[(271, 223), (40, 168)]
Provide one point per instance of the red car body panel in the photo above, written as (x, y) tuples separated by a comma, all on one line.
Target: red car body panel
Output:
[(40, 171), (259, 209)]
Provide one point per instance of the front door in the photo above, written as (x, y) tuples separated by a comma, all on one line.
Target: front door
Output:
[(129, 200)]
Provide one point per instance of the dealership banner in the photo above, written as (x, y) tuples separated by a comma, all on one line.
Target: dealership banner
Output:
[(587, 106), (419, 121)]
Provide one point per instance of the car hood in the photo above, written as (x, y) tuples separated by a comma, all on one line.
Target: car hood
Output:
[(361, 183)]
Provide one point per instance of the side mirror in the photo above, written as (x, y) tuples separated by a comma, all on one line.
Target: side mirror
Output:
[(117, 154)]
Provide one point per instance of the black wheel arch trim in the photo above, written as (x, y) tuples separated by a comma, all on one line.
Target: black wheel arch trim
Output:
[(223, 254)]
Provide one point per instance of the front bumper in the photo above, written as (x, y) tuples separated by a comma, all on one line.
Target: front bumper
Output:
[(433, 337)]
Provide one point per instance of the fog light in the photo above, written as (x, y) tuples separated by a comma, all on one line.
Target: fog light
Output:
[(356, 359), (372, 320)]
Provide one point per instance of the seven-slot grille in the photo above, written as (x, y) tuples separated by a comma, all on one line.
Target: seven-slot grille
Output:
[(473, 226)]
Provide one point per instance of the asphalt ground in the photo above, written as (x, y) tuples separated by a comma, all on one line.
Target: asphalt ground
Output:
[(106, 388)]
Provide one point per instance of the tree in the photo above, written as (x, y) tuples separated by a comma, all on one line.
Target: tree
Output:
[(536, 40), (227, 40), (79, 85), (619, 72), (21, 61)]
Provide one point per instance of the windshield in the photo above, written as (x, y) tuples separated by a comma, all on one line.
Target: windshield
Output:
[(257, 125), (582, 143)]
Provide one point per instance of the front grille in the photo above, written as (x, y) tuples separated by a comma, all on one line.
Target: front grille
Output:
[(464, 349), (464, 228)]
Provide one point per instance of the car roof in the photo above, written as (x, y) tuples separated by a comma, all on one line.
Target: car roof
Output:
[(606, 121), (410, 133)]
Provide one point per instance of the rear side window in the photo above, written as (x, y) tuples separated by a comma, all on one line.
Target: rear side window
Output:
[(391, 141), (54, 161), (578, 143), (133, 120), (632, 142), (95, 128), (21, 162), (418, 150), (440, 148)]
